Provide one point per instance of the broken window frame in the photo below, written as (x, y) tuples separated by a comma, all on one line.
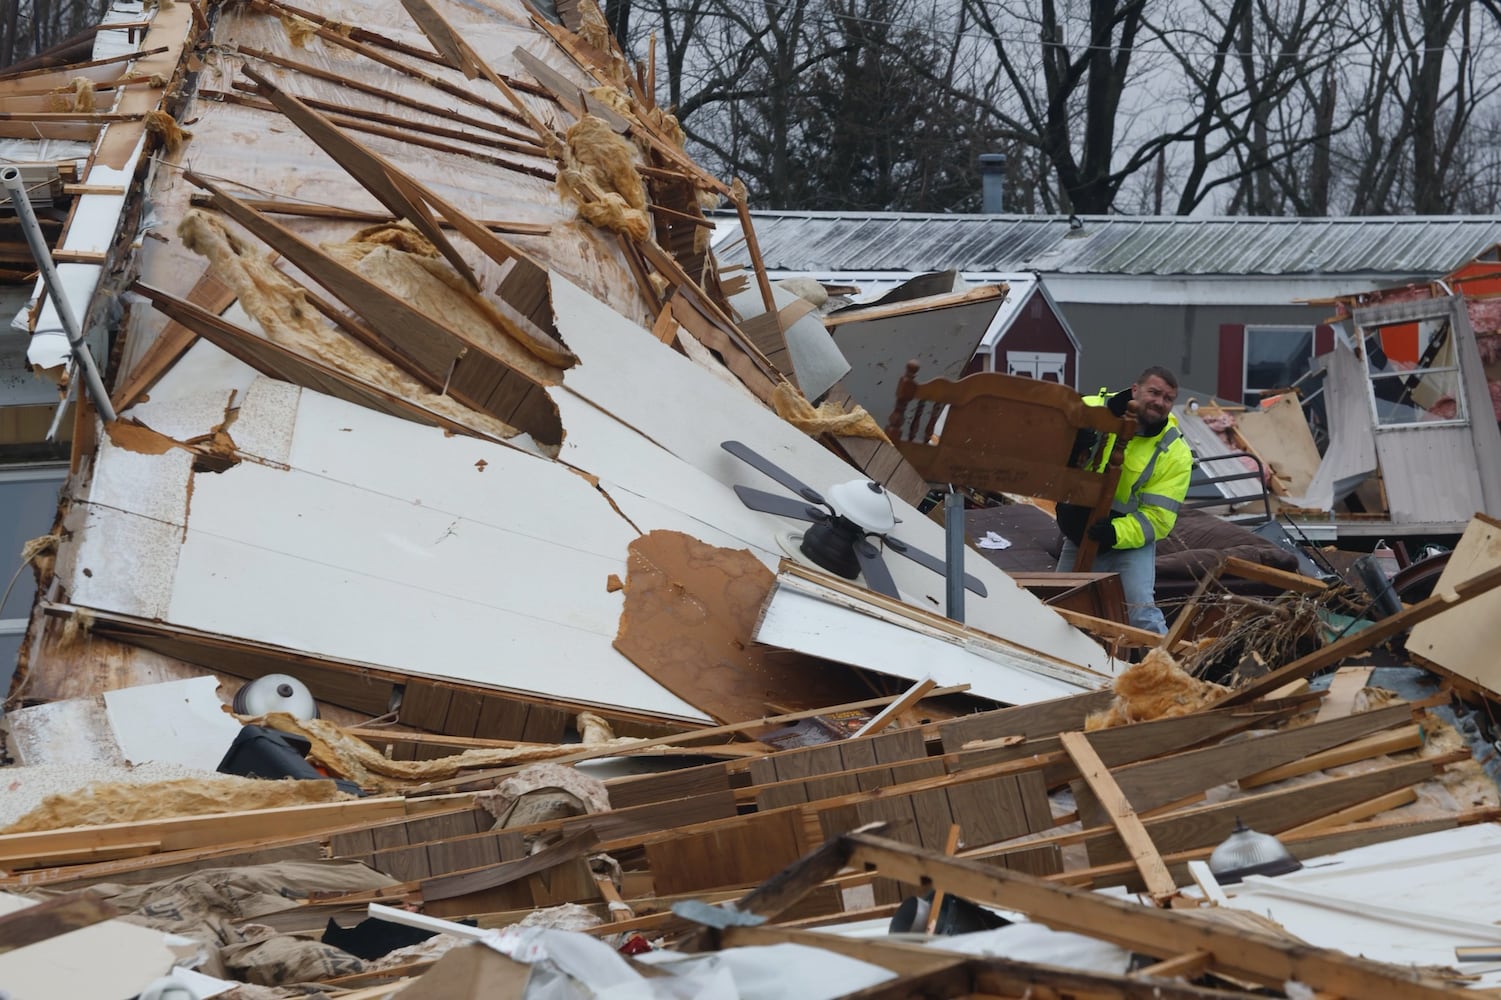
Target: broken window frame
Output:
[(17, 486), (1393, 414), (1252, 394)]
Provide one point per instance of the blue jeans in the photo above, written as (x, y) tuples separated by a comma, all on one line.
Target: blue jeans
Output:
[(1138, 572)]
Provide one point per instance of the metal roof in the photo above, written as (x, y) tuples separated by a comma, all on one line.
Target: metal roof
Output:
[(1114, 244)]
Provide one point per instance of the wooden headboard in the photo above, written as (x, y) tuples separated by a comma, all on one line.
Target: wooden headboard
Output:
[(1007, 434)]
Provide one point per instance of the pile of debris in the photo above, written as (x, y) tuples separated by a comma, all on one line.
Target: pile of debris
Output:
[(457, 592)]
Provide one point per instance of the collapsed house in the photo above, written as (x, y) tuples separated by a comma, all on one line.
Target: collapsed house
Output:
[(401, 383)]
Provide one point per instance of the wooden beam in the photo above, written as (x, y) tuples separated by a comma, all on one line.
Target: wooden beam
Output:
[(183, 832), (1238, 951), (1395, 741), (53, 917), (433, 350), (887, 715), (1347, 683), (1355, 642), (1143, 852), (1270, 575), (208, 294), (1358, 812), (1151, 783)]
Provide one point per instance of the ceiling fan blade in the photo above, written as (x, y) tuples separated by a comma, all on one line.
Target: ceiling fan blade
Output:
[(877, 576), (933, 563), (776, 503), (758, 461)]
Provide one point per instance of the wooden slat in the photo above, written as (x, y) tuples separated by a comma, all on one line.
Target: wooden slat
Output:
[(1161, 933), (1406, 738), (53, 917), (1138, 842)]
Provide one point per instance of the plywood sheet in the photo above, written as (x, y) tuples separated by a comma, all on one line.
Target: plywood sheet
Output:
[(689, 612), (1462, 640)]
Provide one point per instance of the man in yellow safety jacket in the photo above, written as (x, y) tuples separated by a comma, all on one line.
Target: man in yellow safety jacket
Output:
[(1153, 483)]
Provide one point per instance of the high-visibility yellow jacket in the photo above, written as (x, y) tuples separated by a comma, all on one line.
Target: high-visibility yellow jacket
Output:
[(1153, 483)]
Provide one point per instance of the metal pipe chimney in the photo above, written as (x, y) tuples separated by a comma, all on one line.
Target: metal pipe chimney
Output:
[(992, 183)]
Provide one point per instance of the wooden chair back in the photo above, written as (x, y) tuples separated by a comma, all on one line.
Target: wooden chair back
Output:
[(1003, 433)]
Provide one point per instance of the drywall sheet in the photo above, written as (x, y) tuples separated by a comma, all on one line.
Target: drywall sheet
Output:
[(181, 722), (1279, 434), (381, 541), (1462, 640), (798, 618), (685, 410)]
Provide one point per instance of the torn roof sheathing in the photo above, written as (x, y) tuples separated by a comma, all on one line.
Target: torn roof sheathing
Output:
[(326, 529)]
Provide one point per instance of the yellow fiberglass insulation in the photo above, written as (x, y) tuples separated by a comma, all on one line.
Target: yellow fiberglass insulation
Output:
[(599, 173), (1155, 688), (430, 284), (267, 295), (829, 418), (123, 802)]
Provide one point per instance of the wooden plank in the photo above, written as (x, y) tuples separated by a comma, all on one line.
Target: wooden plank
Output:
[(888, 715), (463, 883), (1359, 811), (1154, 783), (1162, 933), (208, 294), (1340, 701), (1269, 812), (1138, 842), (1396, 741), (53, 917), (1270, 575), (443, 358), (186, 832)]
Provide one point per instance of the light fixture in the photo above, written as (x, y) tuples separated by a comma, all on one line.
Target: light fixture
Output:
[(1246, 852)]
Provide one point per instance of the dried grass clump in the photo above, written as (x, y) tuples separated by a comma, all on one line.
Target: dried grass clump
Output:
[(1155, 688)]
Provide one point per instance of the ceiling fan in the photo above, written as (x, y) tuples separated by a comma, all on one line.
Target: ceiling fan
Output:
[(846, 526)]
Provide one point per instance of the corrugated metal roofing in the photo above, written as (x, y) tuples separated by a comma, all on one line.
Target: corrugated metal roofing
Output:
[(1158, 245)]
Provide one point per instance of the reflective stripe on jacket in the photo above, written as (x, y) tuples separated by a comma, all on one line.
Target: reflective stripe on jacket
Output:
[(1153, 483)]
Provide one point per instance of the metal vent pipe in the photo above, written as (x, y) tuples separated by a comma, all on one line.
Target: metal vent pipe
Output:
[(10, 177), (992, 183)]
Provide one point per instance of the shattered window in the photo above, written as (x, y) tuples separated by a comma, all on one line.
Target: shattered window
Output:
[(1414, 373), (1276, 357)]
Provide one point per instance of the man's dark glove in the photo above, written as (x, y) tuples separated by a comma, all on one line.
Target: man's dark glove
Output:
[(1104, 533), (1117, 403)]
